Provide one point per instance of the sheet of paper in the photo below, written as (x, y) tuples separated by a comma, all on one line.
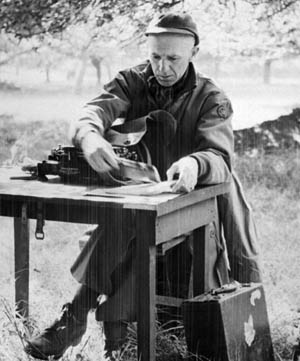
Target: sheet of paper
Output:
[(149, 189)]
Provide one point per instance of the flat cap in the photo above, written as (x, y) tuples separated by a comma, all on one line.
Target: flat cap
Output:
[(174, 23)]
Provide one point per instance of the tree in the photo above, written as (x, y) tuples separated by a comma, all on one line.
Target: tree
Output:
[(48, 57), (242, 29), (11, 49), (275, 37), (97, 60), (28, 18), (85, 42), (272, 7), (60, 19), (264, 30)]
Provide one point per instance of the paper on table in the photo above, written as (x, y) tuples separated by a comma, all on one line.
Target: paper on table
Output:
[(148, 189)]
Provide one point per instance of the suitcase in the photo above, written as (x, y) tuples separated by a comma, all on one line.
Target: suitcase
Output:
[(229, 324)]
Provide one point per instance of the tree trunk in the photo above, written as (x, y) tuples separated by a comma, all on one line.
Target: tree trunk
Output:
[(97, 62), (108, 70), (98, 70), (80, 77), (47, 69), (267, 71)]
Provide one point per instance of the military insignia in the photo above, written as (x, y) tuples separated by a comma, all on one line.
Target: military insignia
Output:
[(224, 110)]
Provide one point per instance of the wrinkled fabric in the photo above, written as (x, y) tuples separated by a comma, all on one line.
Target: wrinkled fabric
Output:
[(240, 234), (173, 271), (105, 250), (202, 130), (108, 265), (202, 113)]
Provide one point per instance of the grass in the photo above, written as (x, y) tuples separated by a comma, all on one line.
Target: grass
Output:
[(272, 187), (279, 170)]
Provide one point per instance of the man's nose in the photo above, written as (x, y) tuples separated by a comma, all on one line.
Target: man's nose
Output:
[(163, 66)]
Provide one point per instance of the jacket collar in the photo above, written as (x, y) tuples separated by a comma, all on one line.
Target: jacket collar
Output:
[(188, 82)]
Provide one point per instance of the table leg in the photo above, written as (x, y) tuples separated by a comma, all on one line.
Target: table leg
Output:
[(146, 263), (21, 240), (201, 262)]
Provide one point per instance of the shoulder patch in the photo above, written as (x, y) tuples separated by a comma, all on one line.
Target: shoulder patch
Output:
[(224, 110)]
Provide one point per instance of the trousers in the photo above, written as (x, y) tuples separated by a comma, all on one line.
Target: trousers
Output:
[(107, 263)]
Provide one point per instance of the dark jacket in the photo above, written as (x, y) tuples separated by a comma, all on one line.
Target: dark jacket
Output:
[(202, 129), (202, 111)]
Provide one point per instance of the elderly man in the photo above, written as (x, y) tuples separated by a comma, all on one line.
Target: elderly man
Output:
[(190, 139)]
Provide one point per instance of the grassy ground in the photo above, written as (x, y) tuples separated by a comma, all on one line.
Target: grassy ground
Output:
[(272, 187), (277, 213)]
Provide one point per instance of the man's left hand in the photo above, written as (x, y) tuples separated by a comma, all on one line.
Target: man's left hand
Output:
[(187, 170)]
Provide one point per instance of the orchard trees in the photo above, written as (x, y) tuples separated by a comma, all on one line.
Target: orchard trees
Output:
[(28, 18), (79, 28), (261, 30)]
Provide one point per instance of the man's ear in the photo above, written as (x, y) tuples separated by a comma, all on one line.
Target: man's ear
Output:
[(195, 51)]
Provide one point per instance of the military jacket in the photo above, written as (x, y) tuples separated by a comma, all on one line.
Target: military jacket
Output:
[(202, 114), (201, 109)]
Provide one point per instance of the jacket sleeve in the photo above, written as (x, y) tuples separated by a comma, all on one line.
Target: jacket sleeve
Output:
[(214, 139), (98, 114)]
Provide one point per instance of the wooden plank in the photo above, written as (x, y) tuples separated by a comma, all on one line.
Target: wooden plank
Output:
[(146, 261), (198, 195), (184, 220), (169, 301), (71, 210), (201, 265), (55, 191), (62, 211), (128, 202), (21, 243)]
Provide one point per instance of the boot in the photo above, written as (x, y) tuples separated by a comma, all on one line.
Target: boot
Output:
[(66, 331), (115, 336)]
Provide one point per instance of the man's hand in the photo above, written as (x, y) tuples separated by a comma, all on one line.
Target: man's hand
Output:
[(99, 153), (187, 170)]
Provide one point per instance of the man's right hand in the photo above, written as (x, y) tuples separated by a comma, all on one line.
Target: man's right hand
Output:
[(99, 153)]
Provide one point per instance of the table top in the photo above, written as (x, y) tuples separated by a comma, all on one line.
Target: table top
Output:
[(56, 191)]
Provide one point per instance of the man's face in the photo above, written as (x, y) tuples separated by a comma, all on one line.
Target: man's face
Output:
[(170, 55)]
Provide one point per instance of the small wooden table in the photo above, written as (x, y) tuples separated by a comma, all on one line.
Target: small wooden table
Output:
[(158, 219)]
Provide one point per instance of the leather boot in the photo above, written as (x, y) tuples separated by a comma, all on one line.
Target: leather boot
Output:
[(115, 336), (66, 331)]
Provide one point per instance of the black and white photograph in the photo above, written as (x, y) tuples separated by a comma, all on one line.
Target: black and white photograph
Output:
[(150, 180)]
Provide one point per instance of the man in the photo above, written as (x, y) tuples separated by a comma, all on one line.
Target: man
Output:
[(190, 139)]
